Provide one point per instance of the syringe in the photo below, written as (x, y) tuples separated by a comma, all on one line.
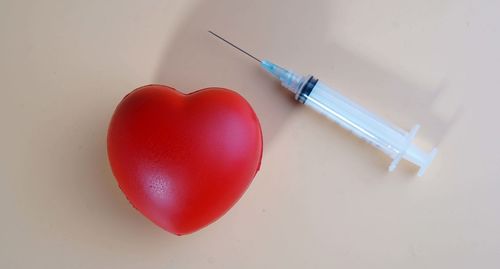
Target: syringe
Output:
[(308, 90)]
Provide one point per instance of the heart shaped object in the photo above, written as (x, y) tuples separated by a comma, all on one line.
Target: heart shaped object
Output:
[(183, 160)]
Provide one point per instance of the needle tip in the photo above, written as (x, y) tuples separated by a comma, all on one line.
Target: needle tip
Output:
[(234, 46)]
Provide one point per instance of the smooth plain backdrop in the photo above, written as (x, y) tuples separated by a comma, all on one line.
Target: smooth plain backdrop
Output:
[(323, 199)]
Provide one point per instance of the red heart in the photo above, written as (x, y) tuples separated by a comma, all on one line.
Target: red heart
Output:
[(183, 160)]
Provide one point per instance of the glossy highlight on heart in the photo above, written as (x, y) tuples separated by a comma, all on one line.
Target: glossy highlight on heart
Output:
[(183, 160)]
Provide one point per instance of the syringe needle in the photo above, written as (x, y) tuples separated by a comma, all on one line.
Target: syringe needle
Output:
[(393, 141), (234, 46)]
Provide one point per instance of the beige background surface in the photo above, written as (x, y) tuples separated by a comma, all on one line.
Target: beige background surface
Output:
[(323, 199)]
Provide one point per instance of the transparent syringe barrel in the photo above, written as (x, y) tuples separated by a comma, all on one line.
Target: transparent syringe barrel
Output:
[(362, 123), (393, 141)]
